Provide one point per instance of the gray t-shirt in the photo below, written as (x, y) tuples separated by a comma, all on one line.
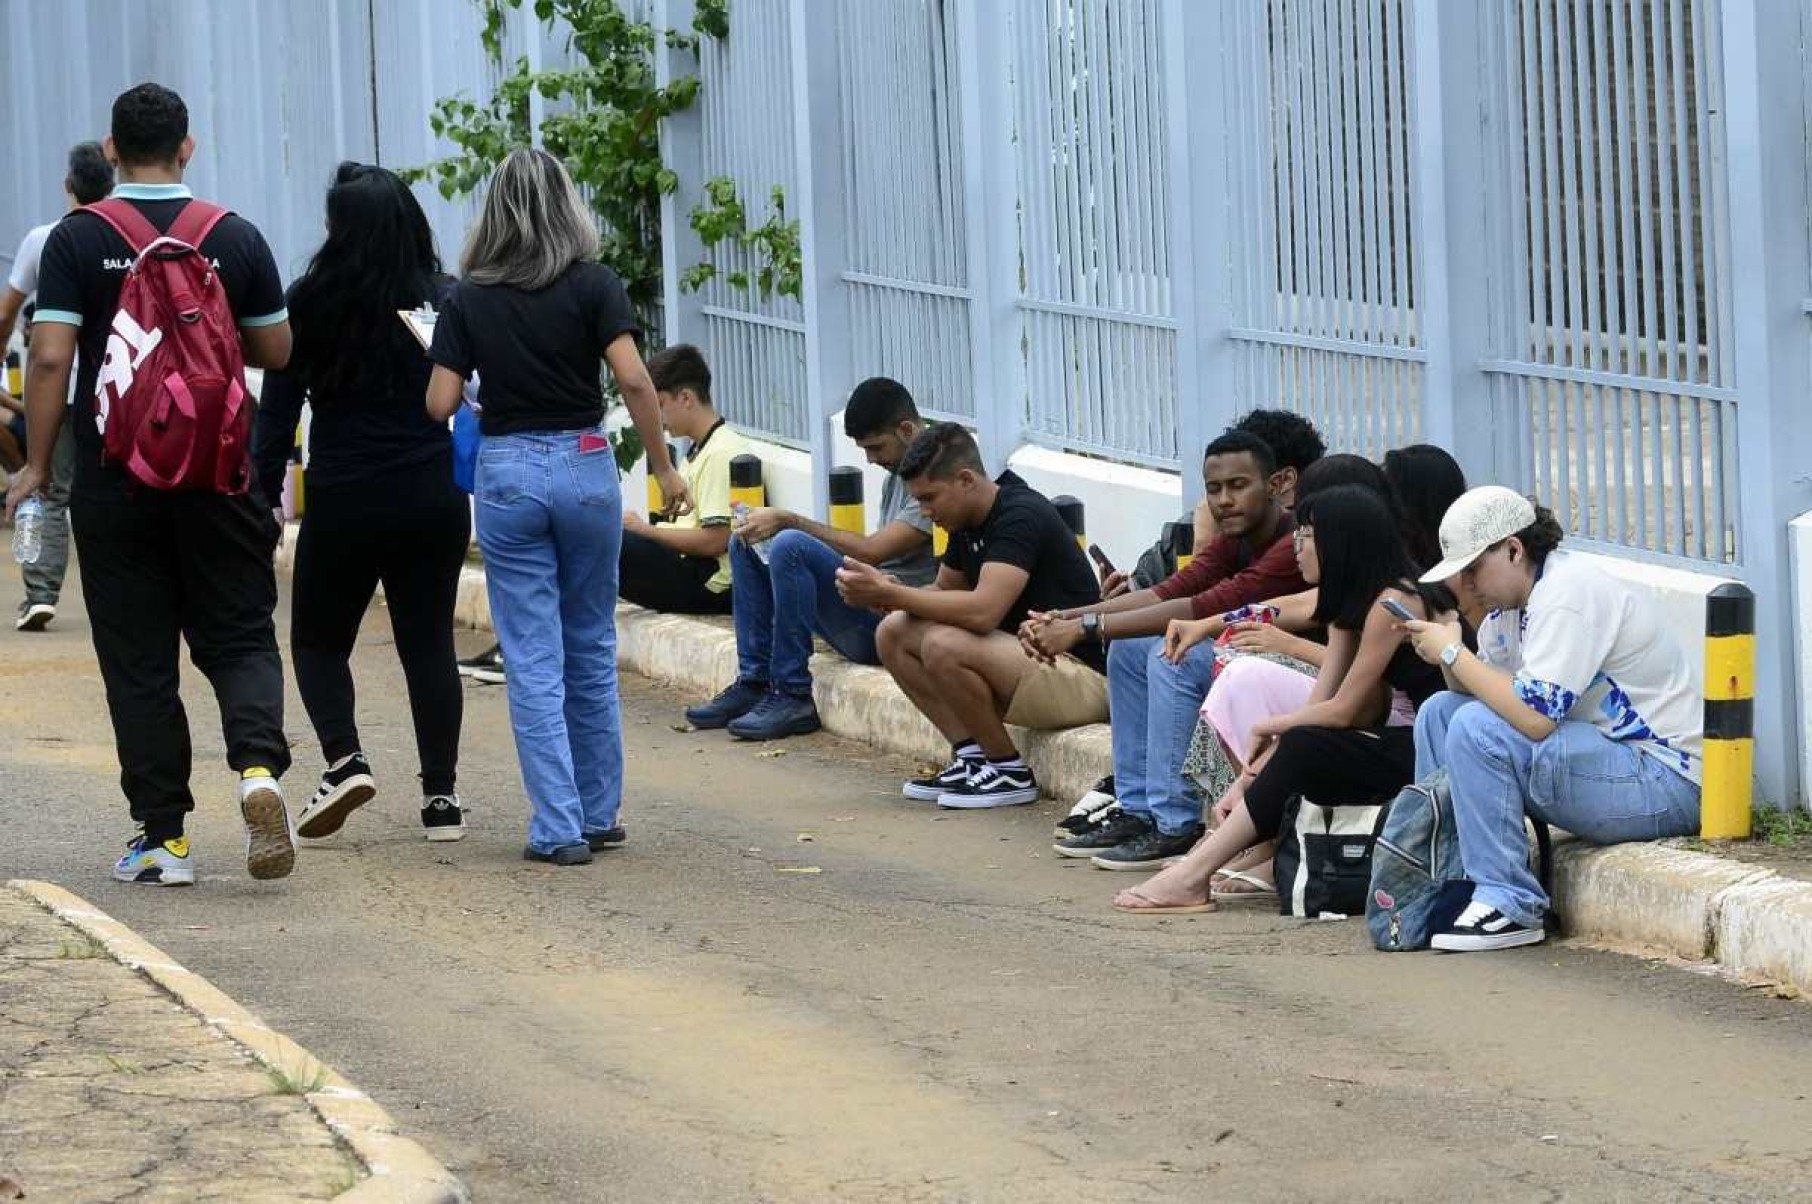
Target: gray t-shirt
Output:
[(918, 567)]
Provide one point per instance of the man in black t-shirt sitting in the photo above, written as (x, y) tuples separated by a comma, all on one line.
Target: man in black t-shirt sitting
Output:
[(951, 645), (161, 567)]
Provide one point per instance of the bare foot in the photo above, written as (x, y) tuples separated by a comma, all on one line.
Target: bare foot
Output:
[(1177, 886)]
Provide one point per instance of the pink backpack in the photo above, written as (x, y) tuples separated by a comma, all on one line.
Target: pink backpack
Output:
[(170, 399)]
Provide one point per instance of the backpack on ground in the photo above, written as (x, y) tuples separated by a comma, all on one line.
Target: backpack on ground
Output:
[(170, 398), (1323, 862), (1418, 886)]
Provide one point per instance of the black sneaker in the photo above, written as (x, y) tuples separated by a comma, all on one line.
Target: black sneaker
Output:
[(1091, 810), (486, 667), (442, 820), (1119, 828), (566, 854), (777, 717), (951, 777), (609, 838), (1482, 928), (992, 785), (1149, 850), (344, 788), (732, 702)]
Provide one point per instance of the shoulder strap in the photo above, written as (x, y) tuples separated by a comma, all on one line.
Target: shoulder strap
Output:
[(196, 221), (127, 222)]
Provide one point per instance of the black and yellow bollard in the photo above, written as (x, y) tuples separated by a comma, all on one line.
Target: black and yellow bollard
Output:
[(745, 482), (1179, 540), (15, 380), (293, 470), (1074, 517), (1726, 794), (655, 500), (846, 510)]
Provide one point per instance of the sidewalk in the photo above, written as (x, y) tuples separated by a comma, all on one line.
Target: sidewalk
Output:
[(1646, 898), (124, 1076)]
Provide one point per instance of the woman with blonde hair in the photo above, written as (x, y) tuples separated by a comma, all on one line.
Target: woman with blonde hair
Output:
[(538, 319)]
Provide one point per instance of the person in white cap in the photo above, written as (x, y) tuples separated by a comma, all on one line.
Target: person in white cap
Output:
[(1579, 708)]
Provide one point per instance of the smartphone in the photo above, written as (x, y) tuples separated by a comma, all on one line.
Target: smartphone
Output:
[(1397, 608), (1100, 558)]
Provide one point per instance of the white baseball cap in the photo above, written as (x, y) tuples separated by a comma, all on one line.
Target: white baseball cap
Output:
[(1478, 519)]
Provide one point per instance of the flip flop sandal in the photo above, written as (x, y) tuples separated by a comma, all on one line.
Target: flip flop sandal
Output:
[(1254, 889), (1151, 907)]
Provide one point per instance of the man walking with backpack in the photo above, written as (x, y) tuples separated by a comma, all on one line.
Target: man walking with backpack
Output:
[(173, 537)]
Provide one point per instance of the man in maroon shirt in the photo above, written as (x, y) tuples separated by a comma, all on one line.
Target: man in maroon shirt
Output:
[(1154, 703)]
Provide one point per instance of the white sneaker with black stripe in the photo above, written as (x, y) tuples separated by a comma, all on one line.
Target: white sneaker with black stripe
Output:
[(1482, 928), (992, 785)]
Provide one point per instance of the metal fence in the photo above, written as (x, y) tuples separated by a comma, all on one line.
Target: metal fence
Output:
[(1553, 235), (901, 139), (1612, 353), (1323, 294)]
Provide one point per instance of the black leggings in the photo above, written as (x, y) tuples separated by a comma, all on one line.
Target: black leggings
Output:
[(653, 575), (1333, 766), (408, 529)]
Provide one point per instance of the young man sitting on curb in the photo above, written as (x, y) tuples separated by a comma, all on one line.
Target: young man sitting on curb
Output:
[(683, 566), (950, 645), (1578, 709), (781, 603), (1154, 702)]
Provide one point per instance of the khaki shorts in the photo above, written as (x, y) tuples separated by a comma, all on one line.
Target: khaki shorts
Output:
[(1066, 694)]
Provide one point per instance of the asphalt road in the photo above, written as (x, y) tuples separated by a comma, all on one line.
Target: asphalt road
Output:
[(931, 1008)]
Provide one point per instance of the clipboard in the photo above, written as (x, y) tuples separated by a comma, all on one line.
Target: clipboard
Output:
[(420, 323)]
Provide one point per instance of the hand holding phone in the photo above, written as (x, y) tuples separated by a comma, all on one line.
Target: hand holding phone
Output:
[(1100, 558), (1397, 608)]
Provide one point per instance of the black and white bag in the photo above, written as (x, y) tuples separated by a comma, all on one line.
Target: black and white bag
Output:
[(1324, 858)]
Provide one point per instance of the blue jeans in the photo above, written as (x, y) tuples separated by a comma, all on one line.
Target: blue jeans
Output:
[(778, 605), (550, 523), (1578, 779), (1154, 706)]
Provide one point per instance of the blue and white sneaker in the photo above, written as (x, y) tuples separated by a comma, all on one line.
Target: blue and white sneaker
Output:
[(165, 864)]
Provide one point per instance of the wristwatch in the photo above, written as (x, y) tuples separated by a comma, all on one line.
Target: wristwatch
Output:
[(1091, 626), (1450, 654)]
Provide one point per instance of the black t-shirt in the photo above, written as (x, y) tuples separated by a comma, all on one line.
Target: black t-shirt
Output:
[(377, 421), (539, 355), (79, 280), (1024, 530)]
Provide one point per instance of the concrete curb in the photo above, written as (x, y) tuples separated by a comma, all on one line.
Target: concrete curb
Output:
[(399, 1170), (857, 702), (1647, 897)]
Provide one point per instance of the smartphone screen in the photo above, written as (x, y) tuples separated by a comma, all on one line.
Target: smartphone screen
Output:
[(1396, 608)]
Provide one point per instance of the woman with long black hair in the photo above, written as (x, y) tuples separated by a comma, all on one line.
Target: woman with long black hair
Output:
[(381, 503)]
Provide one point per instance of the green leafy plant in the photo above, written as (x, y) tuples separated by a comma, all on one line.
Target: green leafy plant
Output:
[(773, 245), (1781, 827)]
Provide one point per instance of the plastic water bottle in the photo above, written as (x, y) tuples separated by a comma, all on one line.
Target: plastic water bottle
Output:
[(760, 548), (28, 530)]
